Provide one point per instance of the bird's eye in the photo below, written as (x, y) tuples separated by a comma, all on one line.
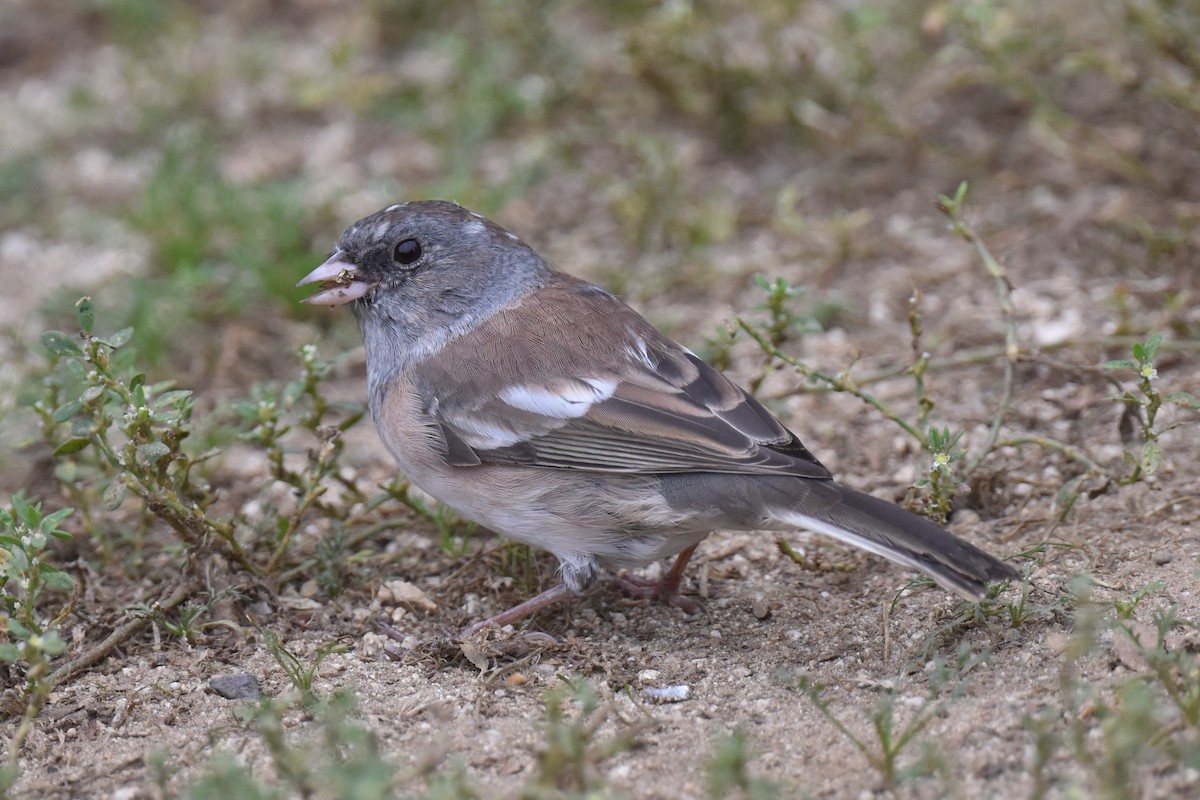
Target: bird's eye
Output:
[(407, 252)]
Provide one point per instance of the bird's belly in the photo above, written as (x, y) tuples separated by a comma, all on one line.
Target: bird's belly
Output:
[(620, 520)]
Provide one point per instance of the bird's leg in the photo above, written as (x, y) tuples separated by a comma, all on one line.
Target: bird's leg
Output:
[(666, 588), (537, 603)]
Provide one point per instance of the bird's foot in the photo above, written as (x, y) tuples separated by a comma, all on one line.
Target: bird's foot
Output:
[(666, 588), (662, 590)]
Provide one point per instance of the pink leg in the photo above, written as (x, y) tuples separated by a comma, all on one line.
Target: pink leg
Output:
[(666, 589), (546, 598)]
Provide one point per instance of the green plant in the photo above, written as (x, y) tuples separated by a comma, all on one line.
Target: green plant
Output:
[(300, 675), (183, 621), (115, 429), (573, 750), (269, 415), (31, 638), (934, 493), (893, 735), (1102, 739), (784, 320), (952, 461), (134, 432), (651, 205), (1142, 407), (1031, 604), (938, 443), (729, 771), (343, 759)]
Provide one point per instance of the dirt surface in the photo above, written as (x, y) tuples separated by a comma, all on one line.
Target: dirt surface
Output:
[(768, 621)]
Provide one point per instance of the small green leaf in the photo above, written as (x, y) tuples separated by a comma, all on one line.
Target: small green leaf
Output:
[(960, 194), (1150, 347), (1123, 363), (17, 629), (152, 452), (114, 495), (119, 339), (50, 523), (122, 360), (76, 370), (173, 396), (1151, 457), (53, 644), (91, 393), (1184, 399), (66, 411), (27, 512), (85, 312), (9, 652), (57, 579), (60, 344), (71, 446)]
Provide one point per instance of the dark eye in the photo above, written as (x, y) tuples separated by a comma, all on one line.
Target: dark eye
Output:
[(407, 251)]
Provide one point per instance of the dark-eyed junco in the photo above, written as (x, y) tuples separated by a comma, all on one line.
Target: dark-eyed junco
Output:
[(544, 408)]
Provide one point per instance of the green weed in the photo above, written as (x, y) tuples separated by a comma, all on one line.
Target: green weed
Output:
[(729, 772), (1142, 407), (573, 747), (31, 639), (1104, 738), (894, 732), (300, 674)]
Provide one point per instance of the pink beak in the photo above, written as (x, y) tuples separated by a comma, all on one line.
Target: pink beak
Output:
[(339, 280)]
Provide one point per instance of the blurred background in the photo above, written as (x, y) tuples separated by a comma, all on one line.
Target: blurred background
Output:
[(186, 162)]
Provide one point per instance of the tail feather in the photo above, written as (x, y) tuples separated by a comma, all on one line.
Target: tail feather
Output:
[(880, 527)]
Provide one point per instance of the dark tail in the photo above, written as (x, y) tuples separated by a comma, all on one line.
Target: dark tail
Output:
[(886, 529)]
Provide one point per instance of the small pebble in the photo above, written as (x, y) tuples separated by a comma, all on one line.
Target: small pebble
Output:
[(371, 644), (760, 609), (236, 687), (406, 593)]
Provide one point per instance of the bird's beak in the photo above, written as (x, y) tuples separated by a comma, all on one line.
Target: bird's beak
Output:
[(340, 282)]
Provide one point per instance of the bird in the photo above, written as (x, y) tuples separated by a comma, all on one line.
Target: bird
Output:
[(545, 409)]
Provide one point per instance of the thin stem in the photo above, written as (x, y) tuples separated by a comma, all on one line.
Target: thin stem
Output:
[(1052, 444), (836, 383), (1012, 348)]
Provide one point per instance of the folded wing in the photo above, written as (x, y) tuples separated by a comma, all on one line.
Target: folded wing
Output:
[(563, 396)]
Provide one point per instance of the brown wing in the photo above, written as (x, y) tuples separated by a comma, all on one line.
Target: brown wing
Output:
[(593, 386)]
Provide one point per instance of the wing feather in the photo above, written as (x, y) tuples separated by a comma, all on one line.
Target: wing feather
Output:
[(561, 396)]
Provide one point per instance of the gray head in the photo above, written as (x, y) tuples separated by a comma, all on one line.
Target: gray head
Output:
[(419, 274)]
